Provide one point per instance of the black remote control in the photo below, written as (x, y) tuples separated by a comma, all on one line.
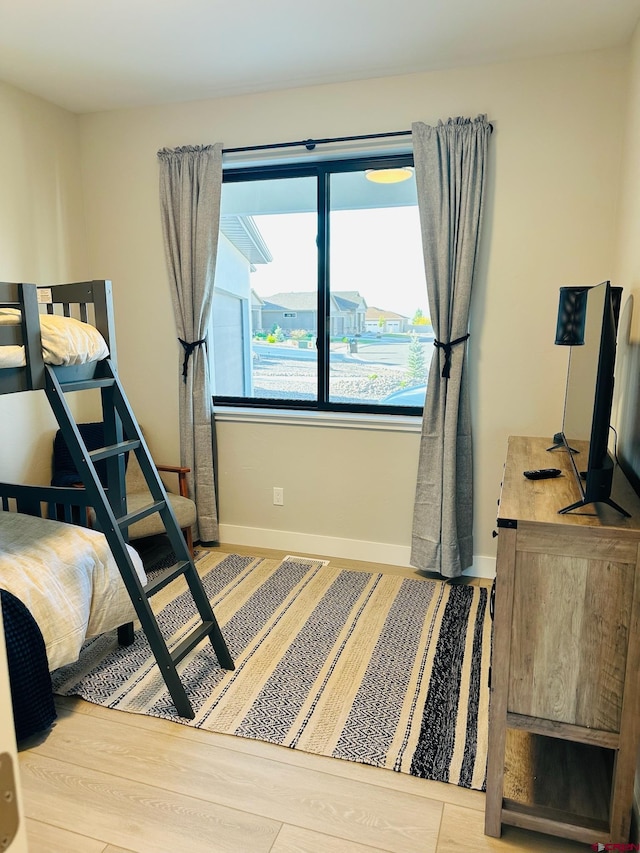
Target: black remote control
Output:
[(542, 473)]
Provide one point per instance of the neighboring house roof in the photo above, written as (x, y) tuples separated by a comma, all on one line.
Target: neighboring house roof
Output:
[(374, 313), (291, 301), (352, 296), (349, 300), (347, 304), (243, 233), (256, 301)]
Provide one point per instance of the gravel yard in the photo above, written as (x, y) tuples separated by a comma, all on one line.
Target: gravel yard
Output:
[(351, 381)]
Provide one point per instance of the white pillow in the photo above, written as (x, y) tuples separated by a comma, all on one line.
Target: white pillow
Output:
[(9, 316), (65, 340)]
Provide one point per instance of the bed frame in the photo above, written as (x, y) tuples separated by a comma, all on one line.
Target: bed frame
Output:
[(63, 504), (89, 301)]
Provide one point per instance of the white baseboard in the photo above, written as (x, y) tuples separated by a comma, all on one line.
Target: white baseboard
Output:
[(483, 567), (333, 546)]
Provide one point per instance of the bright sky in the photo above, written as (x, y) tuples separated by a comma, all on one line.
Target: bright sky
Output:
[(377, 252)]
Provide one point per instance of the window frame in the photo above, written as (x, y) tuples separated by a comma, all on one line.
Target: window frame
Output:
[(322, 171)]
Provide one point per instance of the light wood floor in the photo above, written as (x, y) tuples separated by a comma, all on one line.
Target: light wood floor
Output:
[(105, 781)]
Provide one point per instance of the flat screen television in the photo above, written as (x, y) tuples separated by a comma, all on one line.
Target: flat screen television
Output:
[(590, 327)]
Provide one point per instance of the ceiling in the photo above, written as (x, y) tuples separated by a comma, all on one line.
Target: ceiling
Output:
[(89, 56)]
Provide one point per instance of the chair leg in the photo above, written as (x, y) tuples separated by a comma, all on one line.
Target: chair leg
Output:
[(186, 532), (126, 634)]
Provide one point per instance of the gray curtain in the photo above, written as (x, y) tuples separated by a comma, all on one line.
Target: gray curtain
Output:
[(450, 165), (190, 185)]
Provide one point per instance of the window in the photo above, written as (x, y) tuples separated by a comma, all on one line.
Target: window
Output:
[(320, 299)]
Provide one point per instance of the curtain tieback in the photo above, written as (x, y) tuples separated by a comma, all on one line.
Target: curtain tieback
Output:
[(188, 352), (446, 370)]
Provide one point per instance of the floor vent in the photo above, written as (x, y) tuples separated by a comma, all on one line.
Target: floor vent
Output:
[(308, 560)]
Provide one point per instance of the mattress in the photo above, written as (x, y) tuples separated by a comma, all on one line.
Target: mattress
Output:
[(65, 341), (68, 579)]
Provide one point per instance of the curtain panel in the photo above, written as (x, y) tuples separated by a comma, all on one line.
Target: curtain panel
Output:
[(190, 187), (450, 168)]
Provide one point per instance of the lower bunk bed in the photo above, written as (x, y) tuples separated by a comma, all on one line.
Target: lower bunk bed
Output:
[(59, 585)]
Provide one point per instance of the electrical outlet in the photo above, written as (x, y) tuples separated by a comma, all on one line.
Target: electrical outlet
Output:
[(278, 496)]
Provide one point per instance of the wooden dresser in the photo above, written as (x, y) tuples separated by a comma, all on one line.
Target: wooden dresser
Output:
[(564, 711)]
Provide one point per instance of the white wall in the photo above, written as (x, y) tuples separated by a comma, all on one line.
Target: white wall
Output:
[(627, 401), (627, 393), (551, 220), (41, 241)]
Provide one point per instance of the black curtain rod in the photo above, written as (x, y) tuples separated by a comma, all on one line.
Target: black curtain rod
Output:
[(310, 144)]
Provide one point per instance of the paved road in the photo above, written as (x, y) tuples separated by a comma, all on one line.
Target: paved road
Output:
[(391, 352)]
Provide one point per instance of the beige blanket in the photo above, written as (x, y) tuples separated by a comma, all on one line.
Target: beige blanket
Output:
[(68, 579), (65, 341)]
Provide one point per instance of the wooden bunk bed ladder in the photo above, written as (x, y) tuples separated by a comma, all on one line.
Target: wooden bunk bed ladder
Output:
[(122, 436)]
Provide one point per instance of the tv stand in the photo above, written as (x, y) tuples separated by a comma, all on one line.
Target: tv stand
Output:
[(595, 485), (606, 501), (558, 444), (564, 714)]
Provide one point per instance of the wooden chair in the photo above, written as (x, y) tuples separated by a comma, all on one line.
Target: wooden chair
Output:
[(138, 495)]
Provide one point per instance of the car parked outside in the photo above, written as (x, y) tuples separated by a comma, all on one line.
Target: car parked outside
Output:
[(413, 396)]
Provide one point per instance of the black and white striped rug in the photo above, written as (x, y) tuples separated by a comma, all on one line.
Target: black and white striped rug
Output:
[(367, 667)]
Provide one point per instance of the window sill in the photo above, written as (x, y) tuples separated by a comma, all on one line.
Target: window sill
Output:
[(336, 420)]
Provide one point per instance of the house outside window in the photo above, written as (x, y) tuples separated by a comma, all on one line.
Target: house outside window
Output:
[(320, 300)]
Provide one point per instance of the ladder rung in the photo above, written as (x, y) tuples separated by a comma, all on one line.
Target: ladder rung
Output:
[(164, 578), (84, 384), (195, 637), (114, 449), (149, 509)]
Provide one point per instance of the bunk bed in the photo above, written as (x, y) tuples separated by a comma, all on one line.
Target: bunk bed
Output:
[(60, 585), (59, 580), (70, 348)]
